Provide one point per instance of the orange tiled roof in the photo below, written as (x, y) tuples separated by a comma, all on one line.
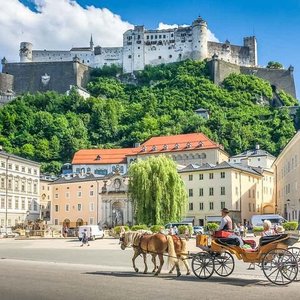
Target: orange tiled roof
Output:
[(101, 156), (175, 143)]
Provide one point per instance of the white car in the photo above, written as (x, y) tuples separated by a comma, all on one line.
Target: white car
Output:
[(198, 230), (93, 232)]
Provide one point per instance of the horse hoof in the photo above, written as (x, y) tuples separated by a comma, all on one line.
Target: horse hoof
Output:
[(188, 273), (178, 274), (136, 270), (170, 272), (155, 274)]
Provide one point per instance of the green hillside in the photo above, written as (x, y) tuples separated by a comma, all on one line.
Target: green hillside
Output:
[(50, 127)]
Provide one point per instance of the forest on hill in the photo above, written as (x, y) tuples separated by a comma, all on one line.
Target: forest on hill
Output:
[(50, 127)]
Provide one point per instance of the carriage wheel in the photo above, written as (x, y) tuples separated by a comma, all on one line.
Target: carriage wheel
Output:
[(203, 265), (224, 264), (296, 252), (280, 266)]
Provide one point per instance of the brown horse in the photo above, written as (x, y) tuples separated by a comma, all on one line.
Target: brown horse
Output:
[(155, 244)]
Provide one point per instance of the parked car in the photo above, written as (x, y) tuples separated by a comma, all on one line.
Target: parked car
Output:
[(198, 230), (93, 232), (7, 232)]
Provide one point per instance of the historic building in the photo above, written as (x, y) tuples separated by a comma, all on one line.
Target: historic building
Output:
[(19, 190), (85, 199), (46, 197), (287, 166)]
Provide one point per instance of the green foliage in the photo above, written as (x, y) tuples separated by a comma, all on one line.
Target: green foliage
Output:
[(274, 65), (182, 229), (290, 225), (258, 229), (157, 191), (106, 71), (287, 99), (139, 227), (50, 128), (156, 228), (117, 229), (212, 226)]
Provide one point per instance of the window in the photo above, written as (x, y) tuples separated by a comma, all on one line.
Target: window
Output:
[(253, 193), (67, 207), (201, 192), (170, 56), (23, 203), (79, 194), (56, 196), (129, 56), (2, 203), (91, 221), (35, 172), (200, 176), (16, 203), (2, 183), (222, 190), (211, 191), (211, 175), (190, 177), (29, 170), (35, 188), (9, 166), (67, 194), (35, 206), (55, 221), (211, 205), (2, 164), (222, 174), (79, 207), (191, 192), (191, 206), (9, 184), (222, 204), (249, 206), (159, 57), (56, 208), (91, 206), (91, 193), (23, 169), (9, 203), (17, 167), (201, 206)]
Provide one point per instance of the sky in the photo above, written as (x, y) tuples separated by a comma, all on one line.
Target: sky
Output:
[(62, 24)]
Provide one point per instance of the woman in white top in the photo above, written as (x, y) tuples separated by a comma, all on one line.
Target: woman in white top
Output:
[(267, 229)]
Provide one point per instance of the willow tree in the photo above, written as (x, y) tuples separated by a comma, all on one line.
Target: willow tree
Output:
[(157, 191)]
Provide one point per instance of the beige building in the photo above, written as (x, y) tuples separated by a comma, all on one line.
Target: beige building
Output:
[(86, 199), (46, 196), (287, 167), (242, 189), (19, 190)]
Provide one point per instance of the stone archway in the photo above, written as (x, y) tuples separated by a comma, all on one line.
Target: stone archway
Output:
[(117, 213), (66, 223), (268, 209), (79, 222)]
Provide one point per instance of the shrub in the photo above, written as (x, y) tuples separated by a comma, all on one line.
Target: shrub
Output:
[(258, 229), (117, 229), (156, 228), (212, 226), (139, 227), (290, 225), (183, 228)]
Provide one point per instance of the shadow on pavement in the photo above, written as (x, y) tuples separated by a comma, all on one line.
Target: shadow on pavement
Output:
[(233, 281)]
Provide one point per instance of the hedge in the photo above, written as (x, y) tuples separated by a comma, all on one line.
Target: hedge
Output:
[(212, 226), (258, 229), (290, 225), (117, 229), (183, 228), (156, 228), (139, 227)]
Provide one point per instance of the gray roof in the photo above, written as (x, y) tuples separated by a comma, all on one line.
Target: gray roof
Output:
[(223, 165), (253, 153), (9, 155)]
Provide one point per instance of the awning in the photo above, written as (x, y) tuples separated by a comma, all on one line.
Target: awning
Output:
[(213, 219), (188, 219)]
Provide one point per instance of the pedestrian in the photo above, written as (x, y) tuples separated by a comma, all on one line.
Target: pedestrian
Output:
[(236, 229), (85, 238), (242, 230)]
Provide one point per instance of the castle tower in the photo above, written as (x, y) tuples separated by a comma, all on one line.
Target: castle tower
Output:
[(250, 42), (199, 44), (91, 42), (25, 52)]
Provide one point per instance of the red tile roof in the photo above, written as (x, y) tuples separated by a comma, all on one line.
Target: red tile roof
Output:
[(175, 143), (101, 156), (162, 144)]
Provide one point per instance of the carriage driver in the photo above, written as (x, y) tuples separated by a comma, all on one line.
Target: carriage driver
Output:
[(226, 222)]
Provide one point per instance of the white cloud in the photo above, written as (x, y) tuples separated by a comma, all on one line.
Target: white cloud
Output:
[(58, 24), (211, 36)]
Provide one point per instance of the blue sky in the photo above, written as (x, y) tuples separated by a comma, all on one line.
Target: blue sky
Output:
[(275, 23)]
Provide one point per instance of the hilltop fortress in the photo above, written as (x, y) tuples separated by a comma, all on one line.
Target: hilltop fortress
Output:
[(40, 70)]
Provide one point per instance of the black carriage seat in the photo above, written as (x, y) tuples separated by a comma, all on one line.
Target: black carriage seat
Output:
[(228, 241), (264, 240)]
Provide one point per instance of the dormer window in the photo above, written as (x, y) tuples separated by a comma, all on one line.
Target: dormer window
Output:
[(200, 144), (98, 157), (154, 148), (144, 148), (188, 145), (176, 146), (165, 147)]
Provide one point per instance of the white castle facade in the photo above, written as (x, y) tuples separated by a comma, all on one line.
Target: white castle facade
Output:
[(143, 47)]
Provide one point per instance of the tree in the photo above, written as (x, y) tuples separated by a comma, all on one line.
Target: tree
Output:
[(157, 191), (274, 65)]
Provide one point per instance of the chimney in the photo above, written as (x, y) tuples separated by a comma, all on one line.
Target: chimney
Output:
[(257, 147)]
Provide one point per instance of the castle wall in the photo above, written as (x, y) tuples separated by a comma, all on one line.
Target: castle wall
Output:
[(50, 56), (6, 83), (107, 56), (57, 76)]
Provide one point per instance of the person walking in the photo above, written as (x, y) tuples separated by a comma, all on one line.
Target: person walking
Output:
[(85, 238)]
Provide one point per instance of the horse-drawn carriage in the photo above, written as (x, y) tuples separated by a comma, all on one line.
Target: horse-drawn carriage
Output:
[(274, 255)]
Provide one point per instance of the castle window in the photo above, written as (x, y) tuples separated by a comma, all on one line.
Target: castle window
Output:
[(180, 55), (138, 55), (159, 57), (155, 36), (172, 34), (164, 36), (139, 47), (170, 56), (129, 56), (151, 37), (147, 37), (139, 37), (159, 36)]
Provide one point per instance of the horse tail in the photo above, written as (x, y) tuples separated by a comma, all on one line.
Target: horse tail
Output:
[(172, 257), (184, 252)]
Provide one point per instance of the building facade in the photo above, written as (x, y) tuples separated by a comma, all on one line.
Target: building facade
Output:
[(19, 190), (143, 47), (46, 197), (287, 167)]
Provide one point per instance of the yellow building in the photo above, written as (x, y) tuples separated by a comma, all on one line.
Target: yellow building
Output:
[(242, 189), (287, 167)]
